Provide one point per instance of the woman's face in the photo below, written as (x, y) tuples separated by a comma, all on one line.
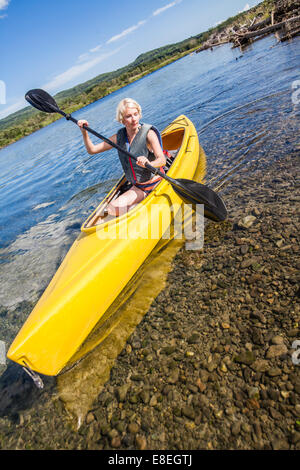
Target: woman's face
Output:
[(131, 117)]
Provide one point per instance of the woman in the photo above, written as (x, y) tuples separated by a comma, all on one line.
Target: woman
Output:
[(142, 140)]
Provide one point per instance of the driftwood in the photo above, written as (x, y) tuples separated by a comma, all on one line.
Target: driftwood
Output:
[(211, 45), (203, 48), (242, 36), (220, 43), (259, 25), (267, 30), (241, 39), (272, 17), (291, 34)]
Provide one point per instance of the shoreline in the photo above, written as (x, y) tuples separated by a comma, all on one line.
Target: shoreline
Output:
[(229, 33), (283, 21), (224, 378), (47, 120)]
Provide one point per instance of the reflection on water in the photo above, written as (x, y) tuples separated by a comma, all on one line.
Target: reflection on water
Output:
[(80, 386), (32, 259), (89, 369)]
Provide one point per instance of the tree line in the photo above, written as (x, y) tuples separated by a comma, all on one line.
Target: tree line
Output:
[(29, 120)]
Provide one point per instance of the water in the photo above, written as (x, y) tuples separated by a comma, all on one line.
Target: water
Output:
[(240, 103)]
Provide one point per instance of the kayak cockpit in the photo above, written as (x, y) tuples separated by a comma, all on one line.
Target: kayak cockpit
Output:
[(172, 143)]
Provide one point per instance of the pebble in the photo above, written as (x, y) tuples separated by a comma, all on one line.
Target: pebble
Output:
[(280, 444), (90, 418), (247, 221), (133, 428), (244, 249), (292, 333), (194, 339), (200, 385), (121, 392), (274, 371), (247, 358), (257, 429), (249, 262), (253, 392), (277, 340), (223, 368), (141, 442), (246, 428), (153, 401), (189, 412), (276, 350), (236, 429), (189, 354), (174, 376), (145, 396), (209, 365), (116, 442), (295, 439)]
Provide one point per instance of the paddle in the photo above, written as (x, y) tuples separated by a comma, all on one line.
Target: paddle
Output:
[(190, 191)]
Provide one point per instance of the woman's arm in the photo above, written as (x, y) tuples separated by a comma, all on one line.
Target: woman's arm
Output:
[(155, 147), (91, 148)]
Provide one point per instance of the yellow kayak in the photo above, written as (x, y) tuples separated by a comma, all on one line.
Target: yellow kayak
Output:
[(103, 259)]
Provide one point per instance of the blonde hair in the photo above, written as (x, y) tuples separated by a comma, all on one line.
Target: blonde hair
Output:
[(126, 103)]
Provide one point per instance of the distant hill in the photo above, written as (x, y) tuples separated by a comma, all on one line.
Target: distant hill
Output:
[(142, 60), (27, 120)]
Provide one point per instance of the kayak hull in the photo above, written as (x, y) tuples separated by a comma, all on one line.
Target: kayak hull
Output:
[(101, 262)]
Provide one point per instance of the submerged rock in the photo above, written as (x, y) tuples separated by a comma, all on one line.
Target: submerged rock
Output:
[(246, 222)]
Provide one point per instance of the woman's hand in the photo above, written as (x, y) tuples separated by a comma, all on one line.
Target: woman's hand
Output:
[(141, 161), (81, 123)]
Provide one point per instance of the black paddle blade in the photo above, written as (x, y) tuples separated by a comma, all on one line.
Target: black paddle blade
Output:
[(42, 101), (196, 193)]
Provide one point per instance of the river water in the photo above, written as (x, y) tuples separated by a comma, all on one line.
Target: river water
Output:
[(244, 106)]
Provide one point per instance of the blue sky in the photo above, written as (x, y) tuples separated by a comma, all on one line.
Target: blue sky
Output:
[(56, 44)]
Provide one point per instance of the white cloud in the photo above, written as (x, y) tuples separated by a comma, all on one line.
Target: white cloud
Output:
[(83, 57), (87, 55), (96, 49), (126, 32), (60, 80), (4, 4), (76, 70), (13, 108), (121, 35), (166, 7)]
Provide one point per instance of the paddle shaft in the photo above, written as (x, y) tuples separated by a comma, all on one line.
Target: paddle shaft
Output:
[(189, 191), (156, 171)]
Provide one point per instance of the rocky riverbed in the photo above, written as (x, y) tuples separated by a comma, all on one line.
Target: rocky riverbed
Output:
[(211, 365)]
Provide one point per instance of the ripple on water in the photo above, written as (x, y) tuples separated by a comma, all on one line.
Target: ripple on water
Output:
[(32, 259), (79, 387)]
